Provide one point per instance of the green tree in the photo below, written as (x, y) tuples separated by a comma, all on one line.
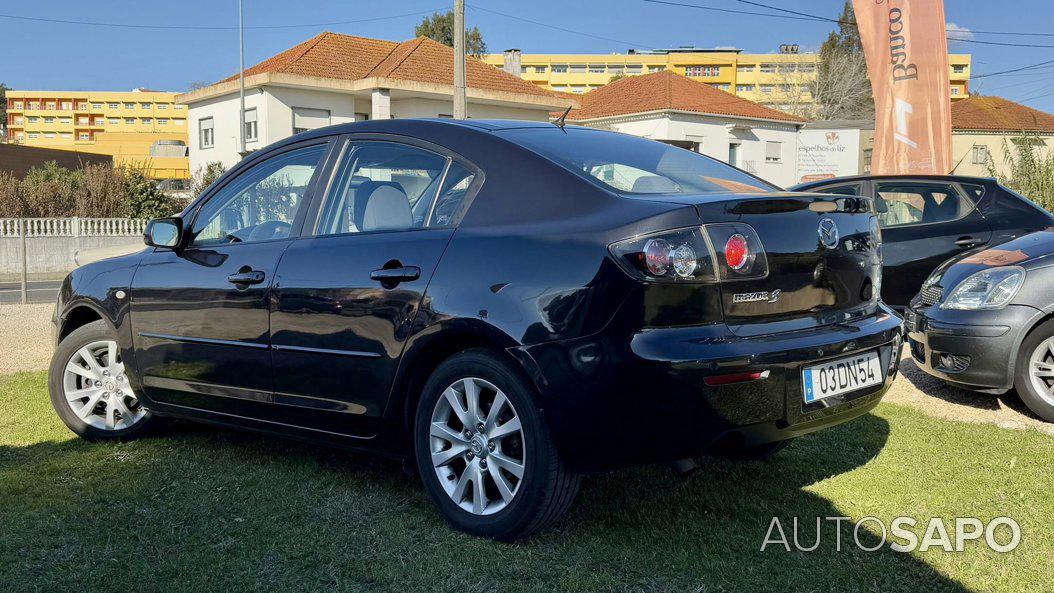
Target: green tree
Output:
[(205, 176), (842, 89), (440, 27), (1029, 170), (3, 105), (143, 199)]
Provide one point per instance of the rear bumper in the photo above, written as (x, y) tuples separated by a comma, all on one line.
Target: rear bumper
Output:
[(617, 400), (972, 349)]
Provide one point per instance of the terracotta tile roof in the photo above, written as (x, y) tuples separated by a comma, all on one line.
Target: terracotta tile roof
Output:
[(332, 55), (997, 113), (667, 90)]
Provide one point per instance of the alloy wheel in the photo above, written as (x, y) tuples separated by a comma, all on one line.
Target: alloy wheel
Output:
[(477, 446), (1041, 370), (96, 388)]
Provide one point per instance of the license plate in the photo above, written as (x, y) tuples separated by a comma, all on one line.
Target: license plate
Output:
[(843, 375)]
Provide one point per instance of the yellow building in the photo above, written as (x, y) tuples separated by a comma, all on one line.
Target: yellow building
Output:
[(776, 80), (140, 128)]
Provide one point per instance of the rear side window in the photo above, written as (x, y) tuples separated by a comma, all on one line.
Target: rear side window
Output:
[(853, 189), (901, 204), (631, 165), (382, 186)]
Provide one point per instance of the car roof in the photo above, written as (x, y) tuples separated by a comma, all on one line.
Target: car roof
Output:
[(851, 178)]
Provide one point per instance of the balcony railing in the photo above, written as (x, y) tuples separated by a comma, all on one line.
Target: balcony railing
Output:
[(72, 227)]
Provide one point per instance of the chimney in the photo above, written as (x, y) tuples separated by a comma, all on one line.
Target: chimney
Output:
[(512, 61)]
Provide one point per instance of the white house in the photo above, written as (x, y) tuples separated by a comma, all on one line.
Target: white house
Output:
[(676, 110), (333, 78)]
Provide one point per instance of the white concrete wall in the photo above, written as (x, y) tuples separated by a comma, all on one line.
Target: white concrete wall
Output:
[(714, 136), (51, 255), (963, 143)]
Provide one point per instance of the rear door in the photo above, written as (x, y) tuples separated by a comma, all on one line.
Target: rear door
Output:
[(348, 292), (923, 224)]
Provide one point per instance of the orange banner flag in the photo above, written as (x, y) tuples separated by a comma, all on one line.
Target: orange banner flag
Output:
[(907, 61)]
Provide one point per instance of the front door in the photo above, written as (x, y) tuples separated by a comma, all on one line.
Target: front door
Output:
[(200, 314), (346, 297), (923, 224)]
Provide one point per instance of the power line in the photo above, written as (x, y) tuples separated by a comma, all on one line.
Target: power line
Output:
[(550, 26), (1030, 67), (729, 10), (210, 27)]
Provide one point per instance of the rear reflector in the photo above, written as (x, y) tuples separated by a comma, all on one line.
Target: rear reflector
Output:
[(735, 378)]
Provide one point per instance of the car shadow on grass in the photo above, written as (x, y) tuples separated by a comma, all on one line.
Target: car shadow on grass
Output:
[(197, 508)]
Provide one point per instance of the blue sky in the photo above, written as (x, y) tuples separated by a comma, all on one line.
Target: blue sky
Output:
[(63, 56)]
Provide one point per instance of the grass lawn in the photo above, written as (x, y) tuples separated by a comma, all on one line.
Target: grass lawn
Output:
[(203, 509)]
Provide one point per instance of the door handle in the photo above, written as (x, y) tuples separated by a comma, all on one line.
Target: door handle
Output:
[(967, 242), (246, 278), (392, 276)]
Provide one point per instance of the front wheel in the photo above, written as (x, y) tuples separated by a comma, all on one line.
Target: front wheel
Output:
[(89, 387), (1034, 371), (484, 452)]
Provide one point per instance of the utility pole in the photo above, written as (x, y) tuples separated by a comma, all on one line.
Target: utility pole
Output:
[(24, 285), (460, 105), (241, 81)]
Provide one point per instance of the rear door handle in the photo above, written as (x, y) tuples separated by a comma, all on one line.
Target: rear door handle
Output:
[(246, 278), (393, 276), (968, 242)]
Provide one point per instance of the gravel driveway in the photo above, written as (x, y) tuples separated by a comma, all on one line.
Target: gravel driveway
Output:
[(25, 332)]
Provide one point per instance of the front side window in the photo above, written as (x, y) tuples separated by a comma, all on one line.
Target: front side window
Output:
[(382, 186), (901, 204), (633, 165), (261, 203), (206, 133)]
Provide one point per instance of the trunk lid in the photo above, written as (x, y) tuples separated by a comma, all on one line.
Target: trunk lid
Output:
[(815, 277)]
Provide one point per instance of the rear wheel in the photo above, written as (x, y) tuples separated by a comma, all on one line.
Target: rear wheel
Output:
[(484, 452), (89, 387), (1034, 371)]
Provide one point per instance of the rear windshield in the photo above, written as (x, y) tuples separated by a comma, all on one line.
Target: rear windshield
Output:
[(632, 165)]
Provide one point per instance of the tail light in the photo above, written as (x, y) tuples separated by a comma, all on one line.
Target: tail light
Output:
[(710, 253)]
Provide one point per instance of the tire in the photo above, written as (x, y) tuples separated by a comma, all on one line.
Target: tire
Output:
[(128, 420), (1027, 385), (529, 503)]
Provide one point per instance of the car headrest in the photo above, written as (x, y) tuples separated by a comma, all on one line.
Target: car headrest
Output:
[(880, 204), (654, 184), (381, 205)]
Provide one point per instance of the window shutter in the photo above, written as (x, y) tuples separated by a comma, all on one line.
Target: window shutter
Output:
[(773, 151), (309, 119)]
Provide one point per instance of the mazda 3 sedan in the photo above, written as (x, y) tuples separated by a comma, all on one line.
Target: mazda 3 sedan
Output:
[(506, 304), (983, 321), (928, 219)]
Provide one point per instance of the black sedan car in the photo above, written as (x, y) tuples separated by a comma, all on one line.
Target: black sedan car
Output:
[(928, 219), (983, 321), (507, 303)]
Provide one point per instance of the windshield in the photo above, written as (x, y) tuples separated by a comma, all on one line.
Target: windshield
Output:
[(632, 165)]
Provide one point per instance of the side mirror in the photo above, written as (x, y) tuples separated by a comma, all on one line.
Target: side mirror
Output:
[(166, 233)]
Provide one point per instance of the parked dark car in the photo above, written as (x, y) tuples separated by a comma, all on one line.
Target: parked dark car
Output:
[(984, 321), (508, 303), (927, 219)]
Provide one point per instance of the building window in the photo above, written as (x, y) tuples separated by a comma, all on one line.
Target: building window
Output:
[(596, 68), (980, 154), (162, 105), (113, 121), (129, 120), (147, 120), (250, 125), (362, 117), (82, 106), (773, 152), (82, 121), (67, 105), (129, 105), (702, 71), (162, 121), (744, 88), (305, 119), (656, 68), (559, 68), (539, 69), (786, 68), (180, 122), (16, 105), (34, 105), (50, 106), (66, 135), (83, 136), (578, 68), (33, 135), (96, 105), (49, 120), (745, 68), (616, 68), (49, 134), (33, 119), (807, 68), (955, 90), (145, 105), (785, 88), (634, 69), (113, 105), (768, 68), (523, 69), (179, 107), (959, 68), (66, 120), (206, 135), (721, 86), (100, 121), (766, 88)]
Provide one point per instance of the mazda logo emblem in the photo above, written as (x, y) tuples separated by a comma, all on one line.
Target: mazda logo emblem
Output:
[(828, 232)]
